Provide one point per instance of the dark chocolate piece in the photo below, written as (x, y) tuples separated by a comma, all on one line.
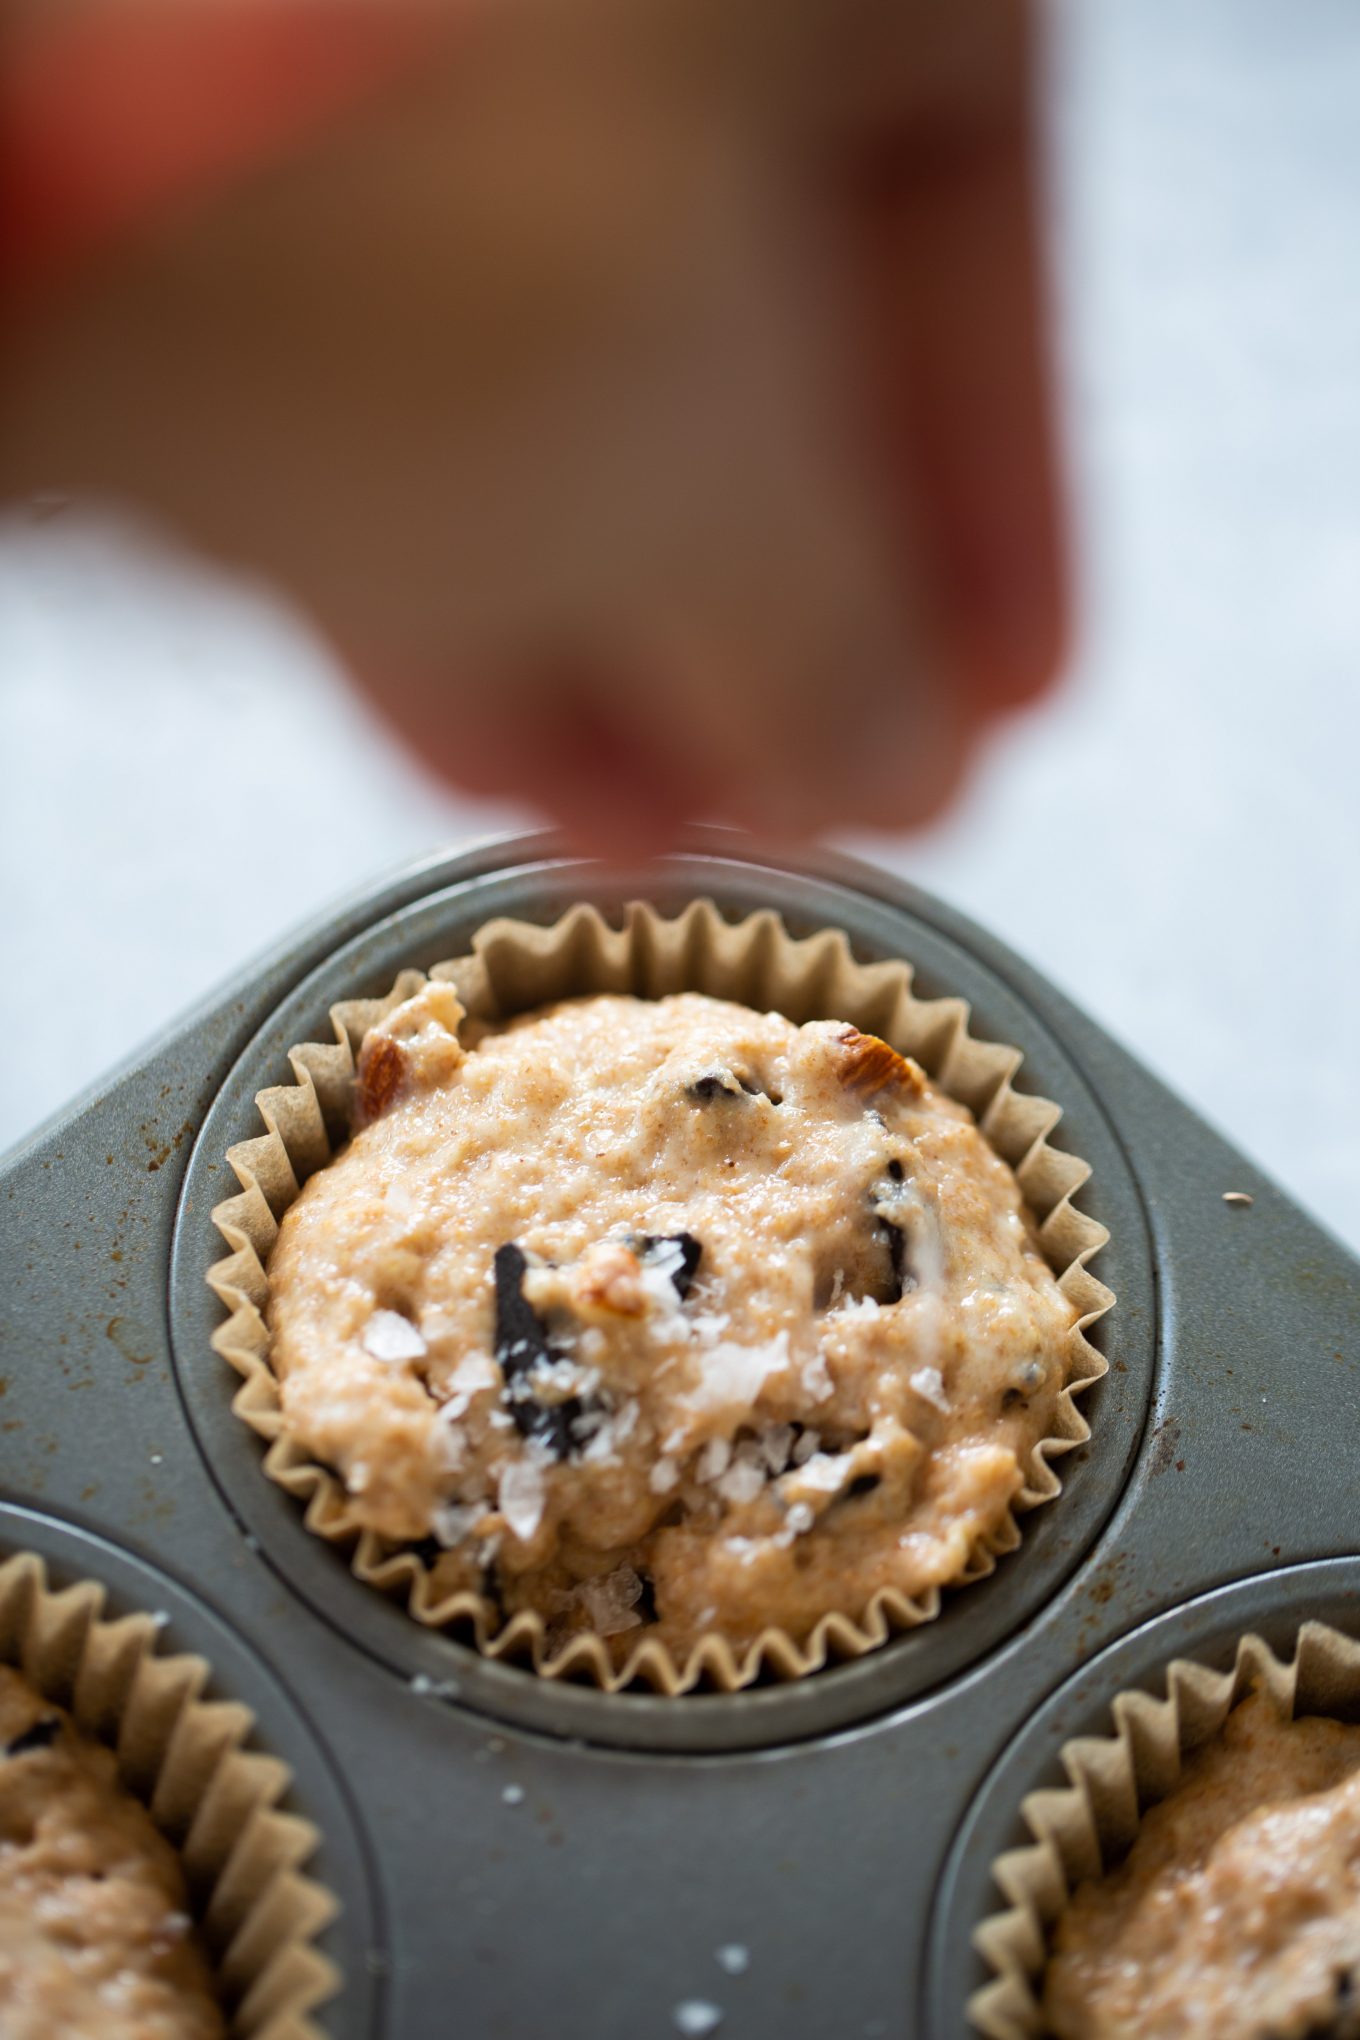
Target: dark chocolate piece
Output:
[(714, 1084), (39, 1735), (522, 1343), (895, 1240), (691, 1253)]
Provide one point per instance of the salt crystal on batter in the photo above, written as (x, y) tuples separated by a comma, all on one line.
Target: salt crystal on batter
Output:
[(390, 1337), (663, 1476), (775, 1446), (453, 1521), (522, 1496), (742, 1482), (713, 1461), (827, 1471), (736, 1374), (611, 1601), (929, 1384), (803, 1450), (817, 1382)]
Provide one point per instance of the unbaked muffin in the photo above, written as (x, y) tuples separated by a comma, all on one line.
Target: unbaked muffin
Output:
[(668, 1313), (96, 1942), (1236, 1913)]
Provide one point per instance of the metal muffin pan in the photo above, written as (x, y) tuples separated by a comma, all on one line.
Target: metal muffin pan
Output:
[(533, 1858)]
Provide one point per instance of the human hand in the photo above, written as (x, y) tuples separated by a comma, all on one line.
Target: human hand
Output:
[(649, 397)]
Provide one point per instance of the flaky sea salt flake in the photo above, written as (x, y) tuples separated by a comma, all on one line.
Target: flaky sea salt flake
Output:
[(734, 1958), (390, 1337), (929, 1385), (522, 1496)]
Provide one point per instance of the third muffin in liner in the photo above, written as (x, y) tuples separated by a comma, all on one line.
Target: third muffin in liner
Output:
[(515, 967), (1085, 1828), (217, 1800)]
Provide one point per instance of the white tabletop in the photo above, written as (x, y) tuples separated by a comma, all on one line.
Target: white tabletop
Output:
[(1176, 840)]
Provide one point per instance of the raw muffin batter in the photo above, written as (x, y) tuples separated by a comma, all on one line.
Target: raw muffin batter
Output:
[(95, 1936), (666, 1312), (1237, 1911)]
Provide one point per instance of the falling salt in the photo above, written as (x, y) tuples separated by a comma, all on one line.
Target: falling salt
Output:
[(696, 2016), (390, 1337), (734, 1958), (513, 1795), (156, 1458)]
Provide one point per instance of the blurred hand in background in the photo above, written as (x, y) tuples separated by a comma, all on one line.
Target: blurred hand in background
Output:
[(649, 397)]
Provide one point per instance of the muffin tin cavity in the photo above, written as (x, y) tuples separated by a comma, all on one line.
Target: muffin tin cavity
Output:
[(971, 1623), (276, 1865), (1206, 1631)]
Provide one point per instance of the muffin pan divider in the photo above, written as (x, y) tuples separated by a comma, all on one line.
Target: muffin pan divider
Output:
[(517, 1859)]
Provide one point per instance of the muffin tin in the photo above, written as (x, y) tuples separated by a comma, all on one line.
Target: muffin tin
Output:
[(518, 1857)]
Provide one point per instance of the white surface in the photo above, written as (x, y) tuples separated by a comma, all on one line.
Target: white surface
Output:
[(1177, 840)]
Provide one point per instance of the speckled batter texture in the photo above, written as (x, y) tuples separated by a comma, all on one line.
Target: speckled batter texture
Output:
[(666, 1312), (95, 1937), (1236, 1914)]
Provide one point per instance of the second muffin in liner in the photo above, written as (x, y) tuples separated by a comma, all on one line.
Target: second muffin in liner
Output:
[(186, 1757), (1083, 1830), (514, 967)]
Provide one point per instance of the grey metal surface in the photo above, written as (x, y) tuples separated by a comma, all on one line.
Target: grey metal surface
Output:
[(814, 1825)]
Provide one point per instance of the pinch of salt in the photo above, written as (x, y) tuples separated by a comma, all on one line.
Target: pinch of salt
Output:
[(929, 1385), (713, 1460), (390, 1337), (663, 1476), (522, 1496), (734, 1958)]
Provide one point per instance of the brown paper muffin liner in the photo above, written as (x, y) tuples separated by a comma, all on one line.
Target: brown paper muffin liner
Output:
[(513, 967), (214, 1799), (1085, 1828)]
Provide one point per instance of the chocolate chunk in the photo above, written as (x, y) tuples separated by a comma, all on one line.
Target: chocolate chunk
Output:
[(521, 1340), (522, 1343), (714, 1084), (691, 1253), (39, 1735), (895, 1240)]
